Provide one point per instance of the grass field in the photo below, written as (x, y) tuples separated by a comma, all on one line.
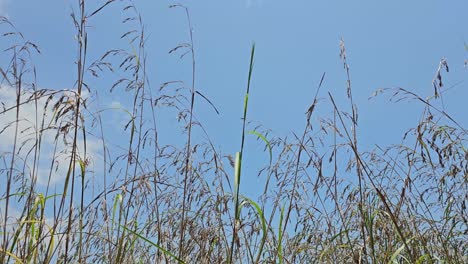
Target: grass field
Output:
[(74, 190)]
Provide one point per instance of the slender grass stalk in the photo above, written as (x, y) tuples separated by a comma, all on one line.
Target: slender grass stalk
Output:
[(238, 164), (12, 162), (280, 238), (298, 160), (137, 83), (379, 192), (81, 65), (188, 162), (354, 119)]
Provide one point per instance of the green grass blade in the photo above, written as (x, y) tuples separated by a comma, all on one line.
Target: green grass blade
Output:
[(261, 216), (238, 167), (261, 136), (280, 237), (154, 244)]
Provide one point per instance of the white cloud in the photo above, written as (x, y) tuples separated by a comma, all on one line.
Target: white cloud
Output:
[(7, 119), (54, 152)]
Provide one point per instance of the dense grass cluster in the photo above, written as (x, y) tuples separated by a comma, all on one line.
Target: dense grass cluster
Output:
[(324, 200)]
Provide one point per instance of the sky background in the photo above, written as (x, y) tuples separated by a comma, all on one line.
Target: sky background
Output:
[(389, 44)]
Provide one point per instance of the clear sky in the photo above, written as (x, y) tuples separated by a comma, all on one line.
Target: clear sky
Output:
[(389, 44)]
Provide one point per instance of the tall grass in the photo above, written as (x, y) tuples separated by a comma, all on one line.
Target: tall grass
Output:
[(76, 189)]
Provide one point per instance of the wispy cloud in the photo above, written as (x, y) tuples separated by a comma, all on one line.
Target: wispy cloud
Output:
[(253, 3), (55, 151)]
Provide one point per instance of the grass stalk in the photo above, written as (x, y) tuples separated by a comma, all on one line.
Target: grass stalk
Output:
[(238, 163)]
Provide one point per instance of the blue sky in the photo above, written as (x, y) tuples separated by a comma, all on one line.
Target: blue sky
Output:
[(389, 44)]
